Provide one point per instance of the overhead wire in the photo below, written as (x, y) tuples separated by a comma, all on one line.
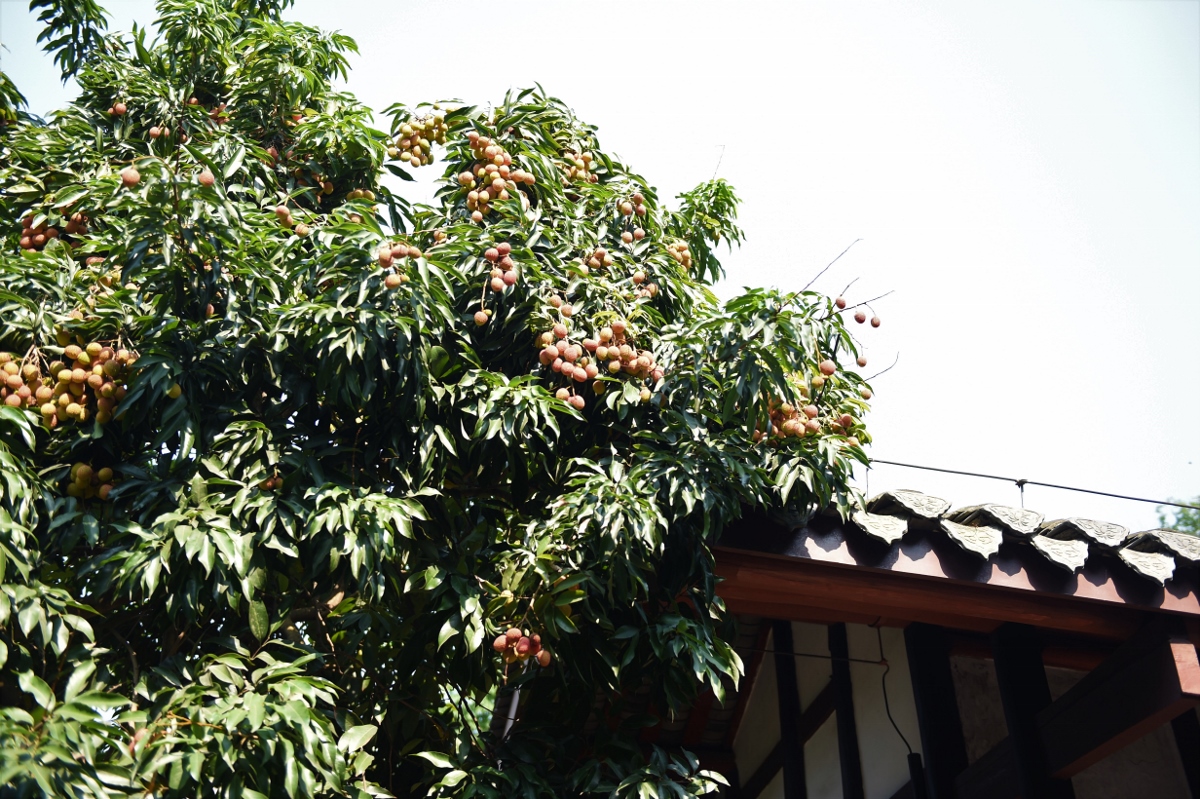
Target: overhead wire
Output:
[(1022, 482)]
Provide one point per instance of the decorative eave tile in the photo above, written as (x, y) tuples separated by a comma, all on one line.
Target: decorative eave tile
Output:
[(914, 502), (1103, 533), (981, 541), (1153, 565), (1071, 554), (1016, 520), (1181, 544), (888, 529)]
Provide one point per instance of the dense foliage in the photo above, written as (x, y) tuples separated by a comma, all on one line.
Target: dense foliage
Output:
[(1184, 520), (300, 483)]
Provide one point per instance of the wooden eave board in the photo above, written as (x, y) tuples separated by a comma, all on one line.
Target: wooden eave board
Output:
[(836, 568)]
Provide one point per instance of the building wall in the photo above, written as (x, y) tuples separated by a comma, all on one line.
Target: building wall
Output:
[(883, 754), (1149, 767)]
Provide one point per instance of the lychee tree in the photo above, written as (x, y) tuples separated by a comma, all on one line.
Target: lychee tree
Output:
[(309, 491)]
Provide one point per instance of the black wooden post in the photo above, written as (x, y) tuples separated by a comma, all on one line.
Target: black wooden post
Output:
[(942, 741), (794, 786), (1024, 692), (847, 730), (1187, 738)]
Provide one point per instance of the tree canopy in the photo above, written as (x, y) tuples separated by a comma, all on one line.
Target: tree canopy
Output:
[(307, 490)]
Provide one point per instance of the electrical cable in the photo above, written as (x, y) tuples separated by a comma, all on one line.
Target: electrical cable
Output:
[(1022, 482), (886, 705), (819, 657)]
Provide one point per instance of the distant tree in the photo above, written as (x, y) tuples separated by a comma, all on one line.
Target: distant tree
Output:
[(1185, 520), (300, 484)]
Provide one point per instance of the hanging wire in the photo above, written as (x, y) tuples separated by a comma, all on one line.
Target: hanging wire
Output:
[(1022, 482), (819, 657), (886, 705)]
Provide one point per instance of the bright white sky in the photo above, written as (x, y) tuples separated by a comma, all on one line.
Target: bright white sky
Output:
[(1024, 175)]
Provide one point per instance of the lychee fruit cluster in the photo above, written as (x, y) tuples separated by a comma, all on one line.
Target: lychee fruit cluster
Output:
[(88, 383), (576, 168), (679, 251), (504, 269), (860, 315), (630, 236), (599, 258), (636, 204), (271, 483), (284, 215), (610, 353), (390, 255), (517, 645), (789, 421), (35, 237), (414, 144), (86, 482), (492, 177)]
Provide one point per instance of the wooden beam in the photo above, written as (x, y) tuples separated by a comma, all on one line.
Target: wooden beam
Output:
[(926, 552), (993, 776), (1066, 652), (813, 718), (1147, 682), (847, 731), (1187, 739), (788, 692), (937, 708), (747, 684), (1150, 680), (807, 583), (1025, 692), (790, 610)]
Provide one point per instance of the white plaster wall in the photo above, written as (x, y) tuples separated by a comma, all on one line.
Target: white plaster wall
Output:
[(759, 729), (883, 755)]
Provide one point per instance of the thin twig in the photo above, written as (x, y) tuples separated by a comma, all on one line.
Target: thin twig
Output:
[(877, 374), (868, 302), (718, 166), (831, 263)]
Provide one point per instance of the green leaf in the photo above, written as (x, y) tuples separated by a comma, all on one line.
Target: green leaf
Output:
[(437, 758), (260, 623), (32, 684), (356, 738)]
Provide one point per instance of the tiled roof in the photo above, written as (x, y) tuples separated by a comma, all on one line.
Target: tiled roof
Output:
[(1067, 543)]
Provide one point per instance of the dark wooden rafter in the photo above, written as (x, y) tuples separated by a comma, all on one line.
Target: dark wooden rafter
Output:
[(1025, 692), (849, 757), (788, 692), (938, 718), (1150, 680), (793, 587), (747, 684), (1186, 728), (814, 717)]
